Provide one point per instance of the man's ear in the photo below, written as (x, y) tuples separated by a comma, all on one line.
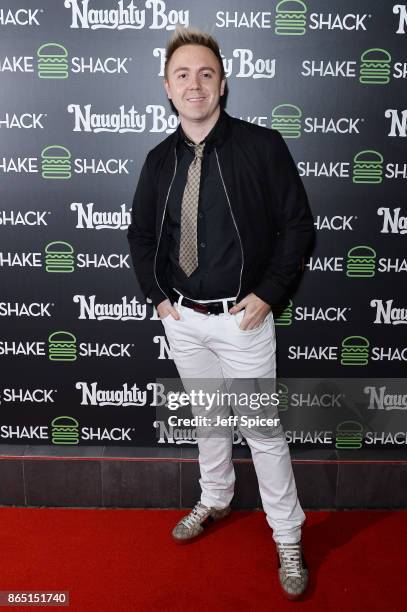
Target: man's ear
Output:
[(222, 86), (167, 89)]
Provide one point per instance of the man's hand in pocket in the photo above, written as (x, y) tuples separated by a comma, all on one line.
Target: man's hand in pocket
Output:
[(165, 309)]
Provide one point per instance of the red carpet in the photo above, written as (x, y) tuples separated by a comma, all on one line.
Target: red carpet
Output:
[(123, 560)]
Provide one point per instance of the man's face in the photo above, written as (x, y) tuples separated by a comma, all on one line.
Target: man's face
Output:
[(194, 82)]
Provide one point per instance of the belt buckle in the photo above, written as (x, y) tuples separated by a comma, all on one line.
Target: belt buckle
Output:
[(200, 308)]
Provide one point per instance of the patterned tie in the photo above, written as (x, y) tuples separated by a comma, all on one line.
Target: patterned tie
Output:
[(188, 256)]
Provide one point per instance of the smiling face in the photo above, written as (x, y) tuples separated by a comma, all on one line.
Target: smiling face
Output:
[(194, 83)]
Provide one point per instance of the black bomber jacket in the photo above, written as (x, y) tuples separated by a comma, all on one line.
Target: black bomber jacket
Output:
[(266, 198)]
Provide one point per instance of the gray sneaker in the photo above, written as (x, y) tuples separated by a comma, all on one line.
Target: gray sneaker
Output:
[(194, 523), (292, 571)]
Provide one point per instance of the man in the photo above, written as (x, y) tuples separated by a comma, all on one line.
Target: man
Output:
[(220, 224)]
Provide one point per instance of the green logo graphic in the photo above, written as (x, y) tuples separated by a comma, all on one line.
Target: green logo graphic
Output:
[(59, 257), (286, 317), (64, 430), (361, 262), (55, 163), (52, 61), (355, 351), (349, 435), (290, 18), (282, 391), (62, 346), (375, 67), (286, 118), (368, 167)]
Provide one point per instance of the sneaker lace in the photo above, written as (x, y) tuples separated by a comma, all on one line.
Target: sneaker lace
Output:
[(290, 555), (198, 512)]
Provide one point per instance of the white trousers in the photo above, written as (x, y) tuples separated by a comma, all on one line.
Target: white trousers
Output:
[(213, 347)]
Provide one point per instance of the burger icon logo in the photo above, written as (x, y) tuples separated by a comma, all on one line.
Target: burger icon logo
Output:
[(59, 257), (282, 391), (286, 118), (355, 351), (64, 430), (62, 346), (375, 67), (349, 435), (368, 167), (52, 61), (290, 18), (286, 317), (361, 262), (55, 163)]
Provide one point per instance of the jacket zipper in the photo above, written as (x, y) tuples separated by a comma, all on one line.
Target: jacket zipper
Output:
[(234, 221), (162, 222)]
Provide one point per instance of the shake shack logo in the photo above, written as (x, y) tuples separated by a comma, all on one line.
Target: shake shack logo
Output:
[(54, 62), (23, 121), (349, 435), (66, 430), (63, 347), (126, 310), (89, 218), (291, 18), (285, 318), (26, 309), (368, 167), (329, 314), (21, 395), (375, 66), (27, 218), (361, 262), (87, 14), (387, 314), (61, 258), (355, 351), (20, 17), (289, 121), (380, 399), (283, 396), (56, 162)]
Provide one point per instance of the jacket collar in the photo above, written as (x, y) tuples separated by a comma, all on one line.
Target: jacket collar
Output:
[(216, 136)]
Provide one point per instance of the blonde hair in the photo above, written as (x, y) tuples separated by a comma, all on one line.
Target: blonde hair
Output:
[(191, 36)]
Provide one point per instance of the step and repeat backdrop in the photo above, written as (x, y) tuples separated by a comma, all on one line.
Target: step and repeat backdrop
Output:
[(82, 102)]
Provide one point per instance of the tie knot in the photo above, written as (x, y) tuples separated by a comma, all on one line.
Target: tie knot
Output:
[(198, 148)]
